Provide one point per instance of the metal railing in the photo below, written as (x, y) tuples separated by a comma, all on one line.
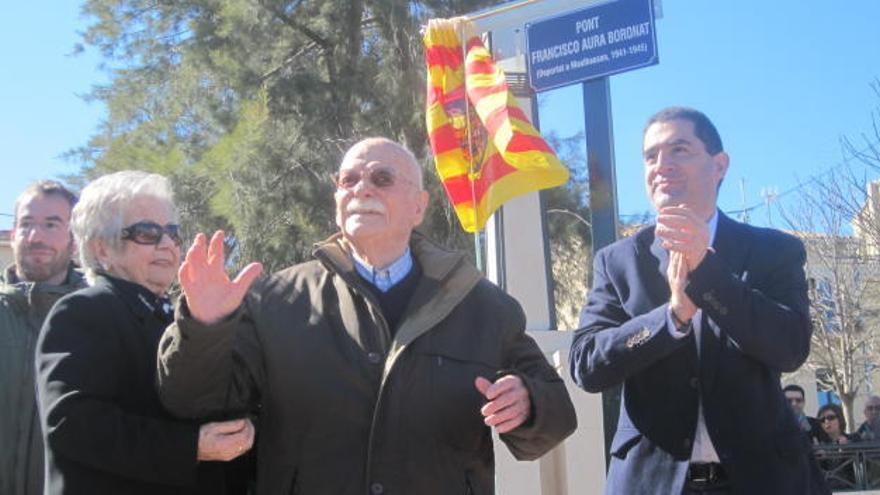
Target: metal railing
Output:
[(850, 467)]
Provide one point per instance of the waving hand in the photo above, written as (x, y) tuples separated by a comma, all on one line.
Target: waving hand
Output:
[(210, 294)]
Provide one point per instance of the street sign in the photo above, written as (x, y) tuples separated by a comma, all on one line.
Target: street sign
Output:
[(589, 43)]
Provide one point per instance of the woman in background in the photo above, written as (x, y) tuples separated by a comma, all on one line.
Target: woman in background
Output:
[(835, 462), (830, 417)]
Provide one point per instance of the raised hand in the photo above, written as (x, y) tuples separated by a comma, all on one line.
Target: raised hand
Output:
[(509, 404), (684, 231), (210, 295), (225, 440)]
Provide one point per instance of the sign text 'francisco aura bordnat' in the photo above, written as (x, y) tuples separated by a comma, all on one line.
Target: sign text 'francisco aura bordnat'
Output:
[(592, 42)]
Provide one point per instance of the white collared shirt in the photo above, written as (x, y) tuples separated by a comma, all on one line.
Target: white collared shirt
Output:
[(703, 449)]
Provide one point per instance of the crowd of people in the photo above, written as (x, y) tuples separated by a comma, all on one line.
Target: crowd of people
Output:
[(828, 431), (380, 367), (829, 426), (384, 364)]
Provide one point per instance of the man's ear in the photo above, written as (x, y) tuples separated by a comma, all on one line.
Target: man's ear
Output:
[(720, 162), (421, 207)]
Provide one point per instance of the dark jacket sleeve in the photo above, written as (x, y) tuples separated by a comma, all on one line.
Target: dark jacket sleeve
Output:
[(553, 416), (206, 370), (767, 314), (610, 345), (78, 379)]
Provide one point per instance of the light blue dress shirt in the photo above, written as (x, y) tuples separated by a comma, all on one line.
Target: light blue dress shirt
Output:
[(384, 278)]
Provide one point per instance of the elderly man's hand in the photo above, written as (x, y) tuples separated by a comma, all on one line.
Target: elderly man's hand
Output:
[(225, 440), (684, 231), (210, 295), (509, 404)]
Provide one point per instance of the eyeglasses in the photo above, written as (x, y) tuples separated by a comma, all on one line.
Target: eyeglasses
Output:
[(381, 178), (150, 233), (872, 408), (829, 417)]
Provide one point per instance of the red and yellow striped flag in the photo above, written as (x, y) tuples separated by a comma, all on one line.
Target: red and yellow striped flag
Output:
[(485, 149)]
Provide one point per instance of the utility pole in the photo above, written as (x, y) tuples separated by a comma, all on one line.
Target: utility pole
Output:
[(744, 214), (769, 194)]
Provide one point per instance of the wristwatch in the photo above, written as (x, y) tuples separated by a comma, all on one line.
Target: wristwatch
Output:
[(681, 326)]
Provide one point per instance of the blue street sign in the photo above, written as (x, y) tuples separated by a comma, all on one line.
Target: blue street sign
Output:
[(593, 42)]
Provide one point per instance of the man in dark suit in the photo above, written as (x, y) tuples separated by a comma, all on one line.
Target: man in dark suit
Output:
[(697, 316)]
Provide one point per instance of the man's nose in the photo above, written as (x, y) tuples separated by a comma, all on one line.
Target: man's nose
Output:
[(664, 162), (34, 234), (363, 187)]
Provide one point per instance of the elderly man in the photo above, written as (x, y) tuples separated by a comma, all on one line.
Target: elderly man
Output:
[(376, 368), (869, 431), (42, 272), (696, 317)]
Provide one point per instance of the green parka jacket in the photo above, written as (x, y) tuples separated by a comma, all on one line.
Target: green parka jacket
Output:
[(346, 409), (23, 307)]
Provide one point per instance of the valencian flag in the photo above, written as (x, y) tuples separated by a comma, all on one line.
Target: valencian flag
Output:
[(486, 150)]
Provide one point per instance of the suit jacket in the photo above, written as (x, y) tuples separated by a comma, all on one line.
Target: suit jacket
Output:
[(105, 430), (755, 325)]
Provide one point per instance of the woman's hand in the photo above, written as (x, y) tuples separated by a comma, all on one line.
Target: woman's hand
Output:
[(225, 440)]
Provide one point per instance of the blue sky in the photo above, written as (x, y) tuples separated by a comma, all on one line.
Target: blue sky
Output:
[(41, 115), (783, 81)]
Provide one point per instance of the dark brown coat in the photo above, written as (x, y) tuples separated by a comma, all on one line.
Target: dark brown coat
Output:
[(346, 409)]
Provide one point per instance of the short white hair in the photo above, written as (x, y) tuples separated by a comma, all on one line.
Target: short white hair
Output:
[(407, 155), (100, 212)]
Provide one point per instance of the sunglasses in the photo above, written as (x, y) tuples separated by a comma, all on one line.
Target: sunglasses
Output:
[(150, 233), (830, 417), (381, 178)]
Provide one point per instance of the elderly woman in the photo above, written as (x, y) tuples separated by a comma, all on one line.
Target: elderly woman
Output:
[(105, 430)]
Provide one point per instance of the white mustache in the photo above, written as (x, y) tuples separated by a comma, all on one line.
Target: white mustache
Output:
[(367, 205)]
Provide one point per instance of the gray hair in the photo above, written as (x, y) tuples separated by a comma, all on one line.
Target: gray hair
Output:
[(407, 155), (100, 212)]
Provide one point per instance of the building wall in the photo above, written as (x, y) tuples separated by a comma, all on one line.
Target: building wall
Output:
[(857, 268)]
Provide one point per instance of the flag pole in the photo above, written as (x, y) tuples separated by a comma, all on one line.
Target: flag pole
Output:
[(501, 10), (478, 245)]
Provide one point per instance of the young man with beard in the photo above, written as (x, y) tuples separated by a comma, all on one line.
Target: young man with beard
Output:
[(41, 274)]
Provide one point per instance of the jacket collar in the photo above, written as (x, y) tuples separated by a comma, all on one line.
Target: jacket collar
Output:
[(436, 262), (142, 302), (728, 244), (447, 278), (731, 243), (74, 278), (11, 285)]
